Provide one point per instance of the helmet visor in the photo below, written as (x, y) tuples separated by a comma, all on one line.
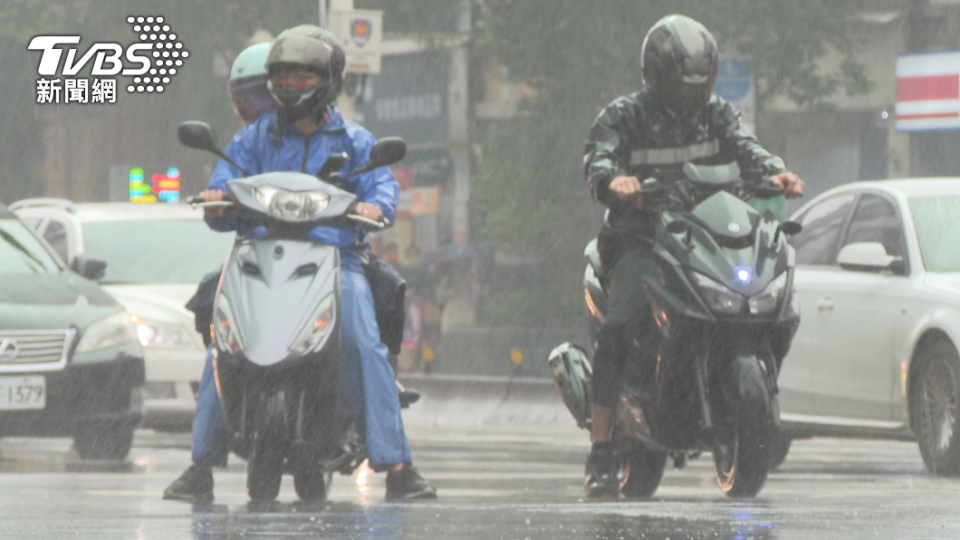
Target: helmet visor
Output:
[(251, 98), (301, 50)]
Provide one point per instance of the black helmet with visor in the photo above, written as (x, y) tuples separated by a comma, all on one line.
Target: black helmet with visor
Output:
[(311, 49), (679, 63)]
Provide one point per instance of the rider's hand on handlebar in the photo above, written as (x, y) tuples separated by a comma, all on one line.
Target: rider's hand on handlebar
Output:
[(369, 211), (628, 189), (790, 183), (214, 212)]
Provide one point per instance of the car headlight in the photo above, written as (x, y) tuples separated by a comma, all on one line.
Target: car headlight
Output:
[(769, 298), (111, 331), (718, 298), (317, 327), (292, 205), (169, 336), (228, 335)]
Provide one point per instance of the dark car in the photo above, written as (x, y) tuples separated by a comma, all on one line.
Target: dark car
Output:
[(70, 362)]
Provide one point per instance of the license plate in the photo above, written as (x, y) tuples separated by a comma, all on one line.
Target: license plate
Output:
[(18, 393)]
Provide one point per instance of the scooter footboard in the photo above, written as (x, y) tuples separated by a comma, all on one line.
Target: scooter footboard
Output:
[(572, 374)]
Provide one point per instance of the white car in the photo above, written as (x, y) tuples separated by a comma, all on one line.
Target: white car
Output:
[(156, 255), (878, 277)]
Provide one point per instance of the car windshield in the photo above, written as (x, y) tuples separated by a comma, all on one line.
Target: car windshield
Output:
[(938, 229), (156, 251), (21, 252)]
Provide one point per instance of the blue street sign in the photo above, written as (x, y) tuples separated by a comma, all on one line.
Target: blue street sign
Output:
[(733, 79)]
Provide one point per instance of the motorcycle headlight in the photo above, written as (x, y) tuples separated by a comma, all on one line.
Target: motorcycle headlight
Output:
[(113, 330), (317, 327), (168, 336), (769, 299), (228, 335), (293, 206), (718, 298)]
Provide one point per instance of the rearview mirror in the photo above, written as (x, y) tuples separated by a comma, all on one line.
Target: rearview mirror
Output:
[(387, 151), (198, 135), (677, 226), (866, 256), (791, 228)]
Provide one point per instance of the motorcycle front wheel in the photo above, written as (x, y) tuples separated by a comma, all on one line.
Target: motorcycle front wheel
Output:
[(267, 451), (310, 481), (741, 448)]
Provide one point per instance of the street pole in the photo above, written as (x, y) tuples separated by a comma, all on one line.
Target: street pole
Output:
[(459, 106), (323, 14), (344, 102)]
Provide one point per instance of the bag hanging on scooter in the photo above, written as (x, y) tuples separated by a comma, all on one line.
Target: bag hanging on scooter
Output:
[(389, 291)]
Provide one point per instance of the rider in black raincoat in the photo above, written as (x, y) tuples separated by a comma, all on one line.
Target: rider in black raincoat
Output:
[(674, 119)]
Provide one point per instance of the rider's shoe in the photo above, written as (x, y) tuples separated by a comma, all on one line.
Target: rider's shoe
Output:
[(194, 485), (600, 481), (408, 396), (407, 484)]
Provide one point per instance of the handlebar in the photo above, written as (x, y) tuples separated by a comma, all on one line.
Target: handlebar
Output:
[(359, 219), (196, 202)]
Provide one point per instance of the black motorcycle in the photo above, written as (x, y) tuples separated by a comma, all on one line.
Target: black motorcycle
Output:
[(723, 301), (276, 324)]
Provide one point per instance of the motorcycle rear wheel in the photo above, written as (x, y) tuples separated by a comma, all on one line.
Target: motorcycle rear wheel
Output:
[(267, 452), (639, 470)]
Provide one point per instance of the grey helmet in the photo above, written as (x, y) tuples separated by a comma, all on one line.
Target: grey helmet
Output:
[(679, 63)]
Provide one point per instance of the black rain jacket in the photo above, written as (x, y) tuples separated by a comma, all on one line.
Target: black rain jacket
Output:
[(635, 134)]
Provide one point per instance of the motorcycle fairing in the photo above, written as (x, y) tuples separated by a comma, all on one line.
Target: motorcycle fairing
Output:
[(725, 215), (274, 286), (243, 191)]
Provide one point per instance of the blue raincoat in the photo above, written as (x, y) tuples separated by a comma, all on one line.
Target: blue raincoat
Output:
[(252, 148)]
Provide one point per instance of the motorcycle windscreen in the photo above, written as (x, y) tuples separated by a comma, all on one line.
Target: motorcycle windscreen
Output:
[(725, 215), (275, 289)]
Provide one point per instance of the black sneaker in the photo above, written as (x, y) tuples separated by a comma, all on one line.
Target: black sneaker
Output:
[(601, 476), (408, 484), (194, 485)]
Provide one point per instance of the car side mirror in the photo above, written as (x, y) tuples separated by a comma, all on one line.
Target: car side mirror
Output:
[(88, 266), (867, 256)]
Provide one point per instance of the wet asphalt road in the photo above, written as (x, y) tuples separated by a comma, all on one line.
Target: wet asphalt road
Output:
[(493, 484)]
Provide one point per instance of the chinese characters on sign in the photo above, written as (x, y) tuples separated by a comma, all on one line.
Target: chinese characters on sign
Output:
[(64, 91), (151, 63)]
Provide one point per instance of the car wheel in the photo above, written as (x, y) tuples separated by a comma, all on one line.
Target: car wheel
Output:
[(109, 441), (935, 408)]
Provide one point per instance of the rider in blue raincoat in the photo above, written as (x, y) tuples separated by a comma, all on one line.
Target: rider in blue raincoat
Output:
[(306, 75)]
